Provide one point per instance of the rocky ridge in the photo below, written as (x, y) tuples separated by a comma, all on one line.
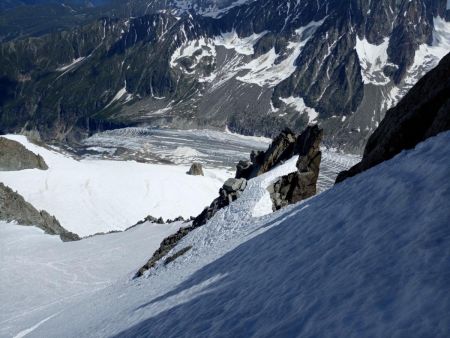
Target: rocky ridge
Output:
[(13, 207), (14, 156), (283, 147)]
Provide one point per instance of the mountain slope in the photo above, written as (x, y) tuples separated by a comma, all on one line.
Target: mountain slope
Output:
[(423, 112), (257, 66), (345, 263)]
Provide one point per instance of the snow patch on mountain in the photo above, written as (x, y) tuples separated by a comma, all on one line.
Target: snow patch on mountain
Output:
[(269, 70), (214, 8), (70, 65), (203, 47), (428, 56), (196, 48), (122, 93), (373, 58), (299, 105), (244, 46)]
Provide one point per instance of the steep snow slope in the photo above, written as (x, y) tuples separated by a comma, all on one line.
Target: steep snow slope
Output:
[(40, 271), (92, 196), (366, 258)]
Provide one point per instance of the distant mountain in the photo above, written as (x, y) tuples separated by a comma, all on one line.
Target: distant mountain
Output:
[(254, 66), (6, 4)]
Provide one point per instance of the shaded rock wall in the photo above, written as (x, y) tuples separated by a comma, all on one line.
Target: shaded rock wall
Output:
[(422, 113)]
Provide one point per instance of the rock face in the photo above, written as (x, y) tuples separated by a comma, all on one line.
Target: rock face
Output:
[(13, 207), (301, 184), (281, 149), (196, 170), (230, 192), (14, 156), (422, 113)]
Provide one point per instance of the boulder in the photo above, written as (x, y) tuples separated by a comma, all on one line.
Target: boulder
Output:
[(244, 169), (422, 113), (234, 184), (301, 184), (13, 207), (14, 156), (230, 191), (196, 170)]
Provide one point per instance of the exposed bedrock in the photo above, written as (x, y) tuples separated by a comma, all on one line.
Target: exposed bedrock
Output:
[(301, 184), (422, 113), (13, 207), (14, 156)]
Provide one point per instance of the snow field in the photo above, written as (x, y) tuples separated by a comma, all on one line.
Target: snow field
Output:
[(92, 196), (366, 258)]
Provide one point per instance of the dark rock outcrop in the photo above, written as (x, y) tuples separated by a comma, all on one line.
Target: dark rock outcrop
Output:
[(422, 113), (13, 207), (196, 170), (177, 254), (151, 219), (166, 245), (230, 191), (286, 145), (177, 219), (281, 149), (301, 184), (14, 156)]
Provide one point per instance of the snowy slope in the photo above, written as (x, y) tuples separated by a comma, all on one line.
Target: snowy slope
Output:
[(52, 272), (92, 196), (366, 258)]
